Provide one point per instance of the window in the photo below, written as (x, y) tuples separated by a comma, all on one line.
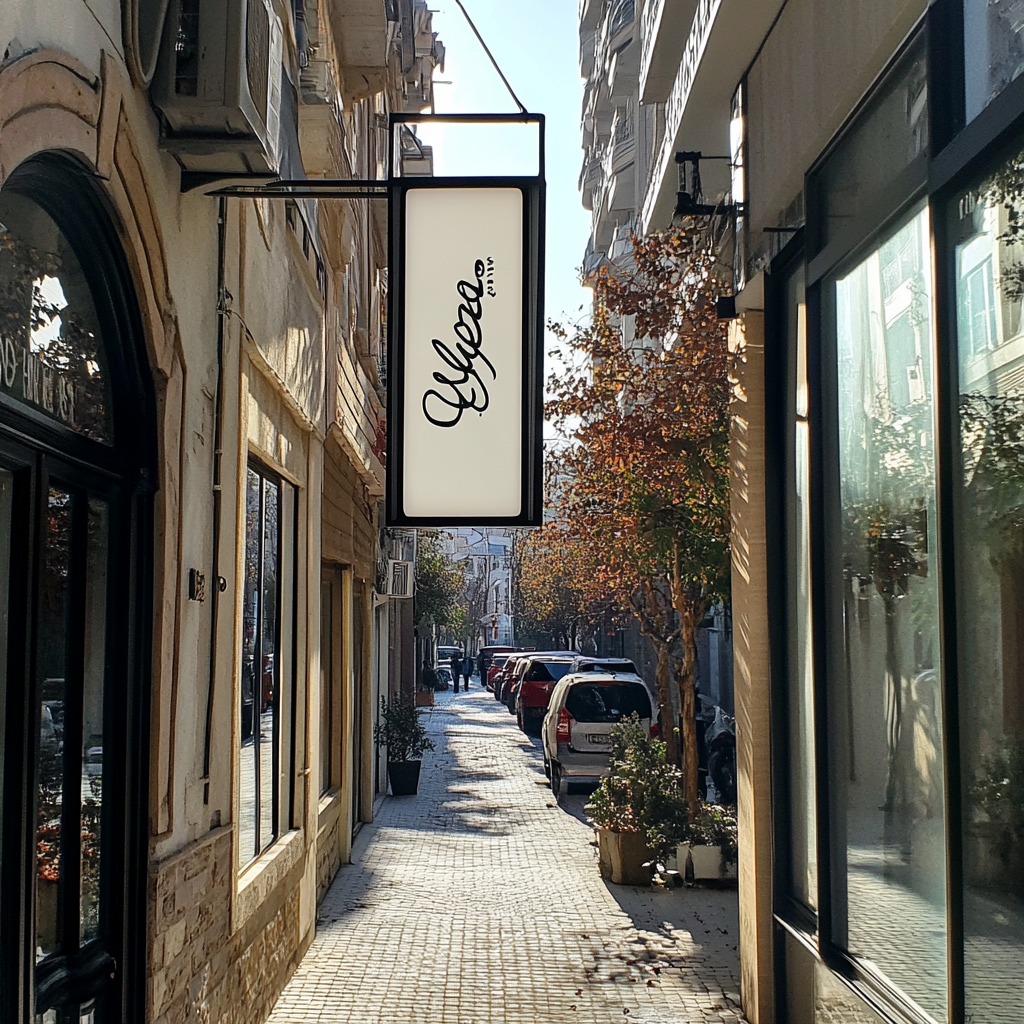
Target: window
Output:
[(886, 743), (984, 228), (883, 152), (329, 596), (266, 691)]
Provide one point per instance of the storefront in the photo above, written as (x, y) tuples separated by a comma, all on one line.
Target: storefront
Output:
[(894, 437), (77, 437)]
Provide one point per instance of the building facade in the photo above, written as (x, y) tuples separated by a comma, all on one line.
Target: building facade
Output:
[(190, 434), (874, 157)]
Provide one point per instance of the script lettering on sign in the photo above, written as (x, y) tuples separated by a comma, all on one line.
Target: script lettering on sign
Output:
[(463, 387)]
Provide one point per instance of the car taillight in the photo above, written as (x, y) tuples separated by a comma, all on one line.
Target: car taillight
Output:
[(655, 729), (563, 726)]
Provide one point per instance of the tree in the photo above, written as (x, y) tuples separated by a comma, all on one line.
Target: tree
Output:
[(553, 599), (648, 461), (439, 582)]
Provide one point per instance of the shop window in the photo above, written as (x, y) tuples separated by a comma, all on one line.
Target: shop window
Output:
[(879, 160), (51, 352), (886, 744), (993, 49), (266, 690), (985, 225)]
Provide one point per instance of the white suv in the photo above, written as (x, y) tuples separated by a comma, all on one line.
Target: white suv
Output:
[(576, 734)]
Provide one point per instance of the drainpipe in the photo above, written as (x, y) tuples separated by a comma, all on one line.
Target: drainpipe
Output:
[(220, 584)]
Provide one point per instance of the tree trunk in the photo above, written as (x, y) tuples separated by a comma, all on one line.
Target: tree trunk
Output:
[(688, 709), (662, 681)]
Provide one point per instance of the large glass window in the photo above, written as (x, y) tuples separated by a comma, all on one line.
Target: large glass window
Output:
[(986, 228), (265, 691), (886, 751), (51, 351)]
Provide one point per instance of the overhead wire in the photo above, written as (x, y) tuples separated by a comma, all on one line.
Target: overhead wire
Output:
[(501, 74)]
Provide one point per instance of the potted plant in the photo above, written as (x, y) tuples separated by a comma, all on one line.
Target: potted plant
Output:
[(710, 850), (639, 810), (402, 732)]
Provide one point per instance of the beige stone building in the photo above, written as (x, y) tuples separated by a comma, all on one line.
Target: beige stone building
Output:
[(190, 438)]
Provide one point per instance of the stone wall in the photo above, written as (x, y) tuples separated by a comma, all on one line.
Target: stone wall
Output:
[(328, 855), (198, 970)]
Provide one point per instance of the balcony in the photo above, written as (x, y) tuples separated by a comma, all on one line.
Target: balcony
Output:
[(623, 145), (723, 38), (663, 29)]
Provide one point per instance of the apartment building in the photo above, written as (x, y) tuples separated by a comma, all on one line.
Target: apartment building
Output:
[(190, 427), (874, 160)]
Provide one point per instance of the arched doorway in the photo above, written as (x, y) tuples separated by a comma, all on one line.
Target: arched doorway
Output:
[(76, 450)]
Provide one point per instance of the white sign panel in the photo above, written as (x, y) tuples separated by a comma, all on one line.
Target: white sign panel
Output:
[(462, 377)]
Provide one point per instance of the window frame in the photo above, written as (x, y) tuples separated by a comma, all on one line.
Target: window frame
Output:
[(285, 720)]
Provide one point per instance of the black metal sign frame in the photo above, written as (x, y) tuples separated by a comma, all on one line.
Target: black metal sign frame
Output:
[(396, 190), (532, 189)]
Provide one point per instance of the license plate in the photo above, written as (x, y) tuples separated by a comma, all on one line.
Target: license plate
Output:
[(599, 740)]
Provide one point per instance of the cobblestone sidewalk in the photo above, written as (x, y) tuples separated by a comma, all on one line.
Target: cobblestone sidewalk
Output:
[(479, 902)]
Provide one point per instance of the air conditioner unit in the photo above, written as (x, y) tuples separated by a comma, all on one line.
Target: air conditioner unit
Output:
[(381, 577), (399, 578), (218, 85)]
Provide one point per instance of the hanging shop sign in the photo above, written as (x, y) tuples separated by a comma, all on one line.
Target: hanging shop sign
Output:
[(465, 334), (465, 355)]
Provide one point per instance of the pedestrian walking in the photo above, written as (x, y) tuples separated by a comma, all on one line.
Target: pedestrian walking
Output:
[(467, 669), (456, 664)]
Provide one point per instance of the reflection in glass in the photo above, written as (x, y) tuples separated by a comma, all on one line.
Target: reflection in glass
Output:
[(993, 49), (51, 670), (889, 786), (249, 687), (51, 350), (887, 139), (94, 664), (986, 225), (802, 853)]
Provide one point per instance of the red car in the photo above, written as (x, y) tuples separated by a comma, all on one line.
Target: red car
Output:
[(538, 679)]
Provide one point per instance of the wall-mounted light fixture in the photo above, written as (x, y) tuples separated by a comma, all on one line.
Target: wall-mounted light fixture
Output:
[(690, 203)]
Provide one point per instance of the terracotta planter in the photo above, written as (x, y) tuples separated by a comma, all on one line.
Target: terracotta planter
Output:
[(404, 777), (424, 698), (621, 857)]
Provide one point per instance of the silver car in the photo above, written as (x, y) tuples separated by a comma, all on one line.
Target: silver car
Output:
[(576, 733)]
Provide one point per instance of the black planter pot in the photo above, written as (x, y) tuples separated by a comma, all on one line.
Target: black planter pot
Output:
[(404, 777)]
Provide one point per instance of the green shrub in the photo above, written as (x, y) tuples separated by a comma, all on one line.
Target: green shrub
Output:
[(643, 793), (401, 730)]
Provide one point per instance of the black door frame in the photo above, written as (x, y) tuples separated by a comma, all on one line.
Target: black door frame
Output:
[(126, 473)]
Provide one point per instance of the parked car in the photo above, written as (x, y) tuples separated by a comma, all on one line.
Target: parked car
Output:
[(503, 686), (535, 682), (497, 664), (592, 663), (500, 680), (576, 732), (486, 655)]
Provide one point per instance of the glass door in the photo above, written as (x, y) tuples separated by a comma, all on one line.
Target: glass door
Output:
[(56, 560)]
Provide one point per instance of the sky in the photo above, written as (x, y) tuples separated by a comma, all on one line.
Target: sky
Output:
[(536, 45)]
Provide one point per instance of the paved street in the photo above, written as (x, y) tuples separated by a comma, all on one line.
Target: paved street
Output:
[(479, 901)]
